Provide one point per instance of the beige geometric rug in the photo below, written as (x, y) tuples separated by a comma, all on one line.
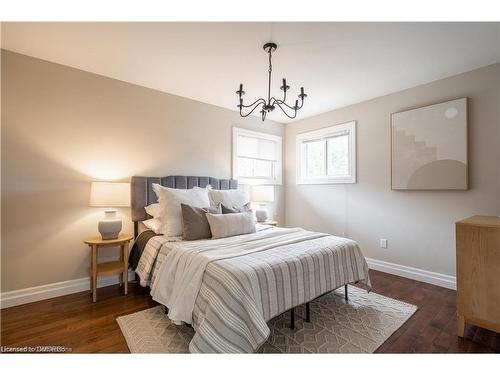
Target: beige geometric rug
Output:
[(359, 325)]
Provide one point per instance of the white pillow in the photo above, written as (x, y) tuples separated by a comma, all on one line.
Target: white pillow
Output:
[(229, 198), (153, 224), (227, 225), (153, 210), (170, 206)]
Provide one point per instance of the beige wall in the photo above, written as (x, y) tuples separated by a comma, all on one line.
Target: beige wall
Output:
[(61, 129), (419, 225)]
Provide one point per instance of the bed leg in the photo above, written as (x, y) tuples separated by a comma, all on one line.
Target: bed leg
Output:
[(308, 313), (292, 318), (345, 293)]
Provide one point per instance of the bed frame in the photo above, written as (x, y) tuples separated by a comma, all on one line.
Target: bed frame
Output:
[(307, 318), (142, 194)]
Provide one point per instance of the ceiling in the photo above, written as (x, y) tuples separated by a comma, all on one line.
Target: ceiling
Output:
[(338, 63)]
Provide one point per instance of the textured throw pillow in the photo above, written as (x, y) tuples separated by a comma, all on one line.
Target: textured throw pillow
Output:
[(153, 210), (170, 206), (153, 224), (229, 198), (231, 224), (194, 222), (235, 209)]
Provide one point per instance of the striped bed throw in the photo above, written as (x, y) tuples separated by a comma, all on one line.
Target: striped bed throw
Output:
[(244, 281)]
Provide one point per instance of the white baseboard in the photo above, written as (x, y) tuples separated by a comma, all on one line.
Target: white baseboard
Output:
[(38, 293), (418, 274)]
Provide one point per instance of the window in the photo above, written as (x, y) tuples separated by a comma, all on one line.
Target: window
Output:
[(328, 155), (256, 157)]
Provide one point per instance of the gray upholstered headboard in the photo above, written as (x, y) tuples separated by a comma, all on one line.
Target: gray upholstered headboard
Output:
[(142, 194)]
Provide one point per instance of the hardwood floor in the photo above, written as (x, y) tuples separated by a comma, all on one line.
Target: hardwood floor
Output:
[(75, 322), (432, 329)]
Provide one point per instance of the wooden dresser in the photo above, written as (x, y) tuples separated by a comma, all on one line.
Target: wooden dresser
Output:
[(478, 272)]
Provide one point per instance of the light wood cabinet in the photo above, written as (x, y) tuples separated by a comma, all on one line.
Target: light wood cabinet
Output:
[(478, 272)]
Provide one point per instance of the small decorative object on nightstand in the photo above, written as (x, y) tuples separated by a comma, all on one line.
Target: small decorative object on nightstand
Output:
[(110, 194), (262, 195), (119, 267)]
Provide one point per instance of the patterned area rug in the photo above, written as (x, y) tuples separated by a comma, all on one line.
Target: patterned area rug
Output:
[(359, 325)]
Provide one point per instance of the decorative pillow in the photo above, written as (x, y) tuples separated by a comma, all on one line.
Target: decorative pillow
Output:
[(154, 210), (231, 224), (194, 222), (235, 209), (170, 206), (229, 198), (153, 224)]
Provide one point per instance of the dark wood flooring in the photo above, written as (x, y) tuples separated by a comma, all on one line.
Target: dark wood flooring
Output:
[(75, 322)]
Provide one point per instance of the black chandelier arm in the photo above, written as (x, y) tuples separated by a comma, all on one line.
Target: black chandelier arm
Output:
[(284, 111), (285, 89), (276, 101), (253, 109), (273, 99), (284, 96), (262, 100), (301, 103)]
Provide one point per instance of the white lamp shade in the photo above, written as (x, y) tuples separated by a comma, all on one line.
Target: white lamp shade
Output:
[(110, 194), (262, 193)]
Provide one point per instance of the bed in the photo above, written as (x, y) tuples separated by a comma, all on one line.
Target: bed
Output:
[(228, 288)]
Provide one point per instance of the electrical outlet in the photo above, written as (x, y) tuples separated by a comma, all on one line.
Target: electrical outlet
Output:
[(383, 243)]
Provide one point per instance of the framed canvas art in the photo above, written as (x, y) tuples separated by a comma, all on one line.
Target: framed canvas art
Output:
[(429, 147)]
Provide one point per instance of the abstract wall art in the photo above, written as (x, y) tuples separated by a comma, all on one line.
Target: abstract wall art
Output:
[(429, 147)]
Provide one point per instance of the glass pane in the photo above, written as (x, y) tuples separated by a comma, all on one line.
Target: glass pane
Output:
[(263, 168), (267, 149), (248, 146), (245, 167), (303, 160), (338, 156), (315, 159)]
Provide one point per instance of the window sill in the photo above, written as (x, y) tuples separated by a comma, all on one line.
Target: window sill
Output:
[(326, 181), (257, 181)]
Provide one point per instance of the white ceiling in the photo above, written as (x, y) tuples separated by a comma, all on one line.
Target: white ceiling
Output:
[(337, 63)]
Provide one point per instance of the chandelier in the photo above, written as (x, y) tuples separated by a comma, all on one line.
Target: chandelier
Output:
[(270, 104)]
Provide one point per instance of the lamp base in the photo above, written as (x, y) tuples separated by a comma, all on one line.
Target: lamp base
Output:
[(110, 226), (261, 215)]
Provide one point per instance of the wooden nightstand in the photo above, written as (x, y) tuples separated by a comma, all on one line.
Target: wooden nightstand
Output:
[(119, 267), (274, 223)]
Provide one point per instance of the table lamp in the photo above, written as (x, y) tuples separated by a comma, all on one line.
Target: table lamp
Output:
[(110, 195), (262, 194)]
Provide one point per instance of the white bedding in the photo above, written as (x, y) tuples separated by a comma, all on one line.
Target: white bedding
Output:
[(229, 288), (182, 271)]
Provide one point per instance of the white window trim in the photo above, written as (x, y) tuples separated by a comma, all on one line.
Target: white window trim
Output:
[(324, 133), (278, 169)]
